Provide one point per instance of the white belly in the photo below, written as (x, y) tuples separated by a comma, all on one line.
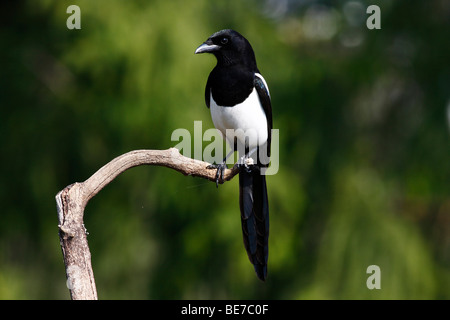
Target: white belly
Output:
[(246, 120)]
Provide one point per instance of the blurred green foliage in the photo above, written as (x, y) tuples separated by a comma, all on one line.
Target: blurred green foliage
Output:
[(364, 148)]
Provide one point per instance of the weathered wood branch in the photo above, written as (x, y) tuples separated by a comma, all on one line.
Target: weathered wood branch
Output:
[(72, 200)]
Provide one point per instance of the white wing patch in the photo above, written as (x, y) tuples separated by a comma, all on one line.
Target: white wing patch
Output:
[(264, 81)]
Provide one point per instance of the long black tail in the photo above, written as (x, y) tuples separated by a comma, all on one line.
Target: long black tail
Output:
[(255, 219)]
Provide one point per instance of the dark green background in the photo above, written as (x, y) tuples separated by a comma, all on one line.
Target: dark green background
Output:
[(364, 148)]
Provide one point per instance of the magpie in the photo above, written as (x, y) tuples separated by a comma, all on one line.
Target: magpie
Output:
[(239, 99)]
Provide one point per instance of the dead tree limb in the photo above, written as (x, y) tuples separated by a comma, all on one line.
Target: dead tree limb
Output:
[(72, 200)]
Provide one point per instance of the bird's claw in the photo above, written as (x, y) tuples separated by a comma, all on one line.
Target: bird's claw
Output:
[(219, 173)]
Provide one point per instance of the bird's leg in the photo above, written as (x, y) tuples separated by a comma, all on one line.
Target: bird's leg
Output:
[(220, 168)]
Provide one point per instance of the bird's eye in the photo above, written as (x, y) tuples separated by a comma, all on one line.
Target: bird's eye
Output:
[(224, 40)]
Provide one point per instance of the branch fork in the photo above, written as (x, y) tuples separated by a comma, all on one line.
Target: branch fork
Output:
[(72, 200)]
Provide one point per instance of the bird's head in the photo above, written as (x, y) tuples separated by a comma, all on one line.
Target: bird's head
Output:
[(229, 47)]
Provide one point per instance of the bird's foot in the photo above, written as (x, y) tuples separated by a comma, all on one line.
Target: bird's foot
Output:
[(220, 171), (247, 164)]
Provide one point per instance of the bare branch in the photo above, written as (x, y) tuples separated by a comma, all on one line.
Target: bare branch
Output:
[(72, 200)]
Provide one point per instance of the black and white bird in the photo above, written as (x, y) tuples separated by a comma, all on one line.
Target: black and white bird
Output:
[(239, 99)]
